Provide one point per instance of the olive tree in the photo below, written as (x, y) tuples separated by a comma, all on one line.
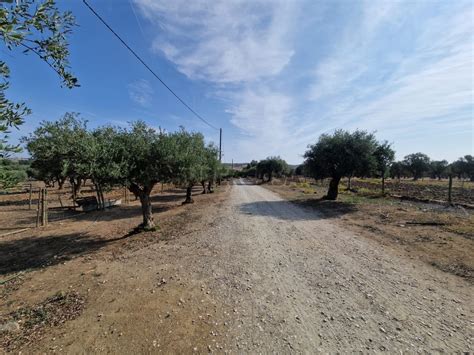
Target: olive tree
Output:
[(438, 169), (341, 154), (384, 156), (190, 159), (397, 170), (270, 167), (417, 164), (58, 150), (464, 167), (210, 168), (145, 157)]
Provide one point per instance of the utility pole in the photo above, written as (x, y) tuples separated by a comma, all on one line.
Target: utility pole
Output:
[(232, 164), (220, 145)]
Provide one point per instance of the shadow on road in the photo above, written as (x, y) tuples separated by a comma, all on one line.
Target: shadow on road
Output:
[(313, 209)]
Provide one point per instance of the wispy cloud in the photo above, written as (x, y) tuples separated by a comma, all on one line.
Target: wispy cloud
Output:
[(141, 92), (223, 41), (400, 88), (285, 73)]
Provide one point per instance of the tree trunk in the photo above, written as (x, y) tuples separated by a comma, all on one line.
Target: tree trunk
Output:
[(61, 183), (145, 201), (349, 184), (73, 188), (203, 183), (77, 186), (209, 187), (189, 195), (102, 199), (144, 194), (383, 185), (333, 189)]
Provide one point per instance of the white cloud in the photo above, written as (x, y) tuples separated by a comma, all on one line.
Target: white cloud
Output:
[(223, 41), (426, 90), (397, 67), (141, 92)]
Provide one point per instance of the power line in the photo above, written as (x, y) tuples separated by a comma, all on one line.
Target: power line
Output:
[(146, 66)]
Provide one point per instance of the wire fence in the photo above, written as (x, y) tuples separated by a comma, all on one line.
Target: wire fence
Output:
[(457, 191), (33, 204)]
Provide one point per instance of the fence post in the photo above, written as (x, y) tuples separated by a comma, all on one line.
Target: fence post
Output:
[(45, 206), (29, 198), (450, 188), (38, 209)]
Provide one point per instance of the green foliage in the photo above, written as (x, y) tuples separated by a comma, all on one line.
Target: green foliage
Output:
[(342, 154), (12, 172), (384, 156), (398, 169), (417, 164), (438, 169), (272, 166), (60, 149), (300, 170), (463, 167), (138, 157), (190, 158), (211, 164), (38, 28)]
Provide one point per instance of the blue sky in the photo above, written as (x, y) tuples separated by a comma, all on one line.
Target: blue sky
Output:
[(273, 74)]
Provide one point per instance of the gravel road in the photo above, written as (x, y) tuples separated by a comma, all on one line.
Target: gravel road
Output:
[(301, 283), (256, 274)]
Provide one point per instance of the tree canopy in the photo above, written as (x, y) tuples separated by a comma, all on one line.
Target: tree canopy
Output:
[(417, 164), (271, 166), (37, 28), (341, 154), (138, 158)]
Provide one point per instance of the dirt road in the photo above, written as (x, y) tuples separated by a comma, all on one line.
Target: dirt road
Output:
[(259, 274)]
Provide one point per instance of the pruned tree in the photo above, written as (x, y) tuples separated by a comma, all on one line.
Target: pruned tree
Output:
[(58, 150), (190, 159), (438, 169), (384, 156), (341, 154), (270, 167), (299, 170), (464, 167), (145, 157), (210, 167), (417, 164), (397, 170)]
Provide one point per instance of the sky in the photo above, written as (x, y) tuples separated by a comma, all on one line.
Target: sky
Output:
[(274, 75)]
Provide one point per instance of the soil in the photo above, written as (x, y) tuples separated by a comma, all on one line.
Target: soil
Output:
[(441, 236), (239, 271)]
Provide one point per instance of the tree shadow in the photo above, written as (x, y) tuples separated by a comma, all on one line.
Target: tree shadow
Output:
[(36, 252), (160, 203), (22, 202), (313, 209)]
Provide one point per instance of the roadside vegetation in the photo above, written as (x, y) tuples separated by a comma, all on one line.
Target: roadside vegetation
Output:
[(136, 158), (358, 154)]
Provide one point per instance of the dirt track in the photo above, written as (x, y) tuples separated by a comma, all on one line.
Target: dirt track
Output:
[(259, 274)]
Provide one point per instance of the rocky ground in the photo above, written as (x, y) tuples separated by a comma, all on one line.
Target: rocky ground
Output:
[(242, 270)]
